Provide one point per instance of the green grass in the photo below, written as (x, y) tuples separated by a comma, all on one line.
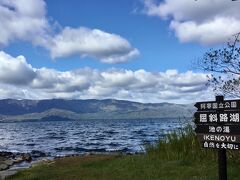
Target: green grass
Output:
[(179, 156)]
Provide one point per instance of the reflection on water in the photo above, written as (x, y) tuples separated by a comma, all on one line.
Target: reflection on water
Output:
[(59, 138)]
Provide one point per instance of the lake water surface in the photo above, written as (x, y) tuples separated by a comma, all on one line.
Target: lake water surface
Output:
[(60, 138)]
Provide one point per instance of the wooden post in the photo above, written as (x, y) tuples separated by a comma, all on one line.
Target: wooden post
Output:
[(222, 158)]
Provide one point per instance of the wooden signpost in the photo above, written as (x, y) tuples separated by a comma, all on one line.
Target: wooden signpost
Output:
[(218, 127)]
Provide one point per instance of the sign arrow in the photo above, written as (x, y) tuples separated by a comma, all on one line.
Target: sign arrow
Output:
[(214, 105)]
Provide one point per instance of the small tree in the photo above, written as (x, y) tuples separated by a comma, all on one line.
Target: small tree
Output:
[(224, 67)]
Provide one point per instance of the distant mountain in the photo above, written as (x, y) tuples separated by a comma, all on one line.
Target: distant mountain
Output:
[(59, 109)]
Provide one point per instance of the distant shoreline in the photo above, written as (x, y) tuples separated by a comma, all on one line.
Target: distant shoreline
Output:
[(62, 119), (93, 109)]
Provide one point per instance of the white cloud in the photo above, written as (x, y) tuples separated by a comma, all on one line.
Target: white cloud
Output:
[(109, 48), (15, 70), (23, 20), (18, 79), (26, 20), (203, 21)]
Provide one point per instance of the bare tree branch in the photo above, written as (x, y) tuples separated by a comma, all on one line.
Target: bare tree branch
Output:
[(224, 67)]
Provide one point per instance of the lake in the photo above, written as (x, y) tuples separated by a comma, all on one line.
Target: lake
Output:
[(61, 138)]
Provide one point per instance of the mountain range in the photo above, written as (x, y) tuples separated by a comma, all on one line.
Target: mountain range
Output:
[(61, 109)]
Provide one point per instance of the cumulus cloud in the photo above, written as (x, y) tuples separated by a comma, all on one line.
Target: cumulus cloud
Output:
[(26, 20), (24, 81), (109, 48), (205, 22), (15, 70), (23, 20)]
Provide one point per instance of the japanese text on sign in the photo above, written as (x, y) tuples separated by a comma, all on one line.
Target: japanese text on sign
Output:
[(219, 145), (217, 129), (217, 105), (205, 106), (219, 117)]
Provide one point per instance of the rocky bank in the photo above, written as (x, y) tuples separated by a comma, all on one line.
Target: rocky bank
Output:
[(8, 159)]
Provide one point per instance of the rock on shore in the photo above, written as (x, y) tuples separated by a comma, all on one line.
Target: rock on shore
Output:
[(7, 159)]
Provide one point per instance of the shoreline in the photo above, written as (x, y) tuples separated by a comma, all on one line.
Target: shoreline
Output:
[(9, 160), (178, 157), (12, 162), (13, 169)]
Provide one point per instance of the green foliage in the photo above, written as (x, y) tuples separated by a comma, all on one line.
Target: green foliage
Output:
[(178, 156), (224, 67), (182, 145)]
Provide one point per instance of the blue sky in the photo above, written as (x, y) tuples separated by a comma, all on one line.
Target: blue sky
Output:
[(159, 48), (117, 45)]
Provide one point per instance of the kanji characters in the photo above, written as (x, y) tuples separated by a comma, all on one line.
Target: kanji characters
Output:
[(234, 117), (233, 104), (230, 146), (223, 146), (226, 129), (203, 117), (213, 118), (205, 144), (220, 105), (203, 106), (214, 105), (223, 117), (209, 105), (211, 145), (212, 129), (227, 105), (216, 123), (219, 145)]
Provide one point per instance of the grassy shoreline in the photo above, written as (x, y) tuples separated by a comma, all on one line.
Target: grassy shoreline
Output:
[(178, 156)]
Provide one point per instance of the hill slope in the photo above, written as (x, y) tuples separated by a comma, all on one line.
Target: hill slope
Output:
[(51, 109)]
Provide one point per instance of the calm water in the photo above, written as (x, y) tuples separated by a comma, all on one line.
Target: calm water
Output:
[(59, 138)]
